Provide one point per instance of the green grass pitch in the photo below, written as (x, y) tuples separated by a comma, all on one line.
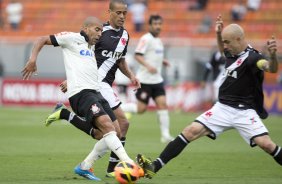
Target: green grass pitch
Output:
[(32, 153)]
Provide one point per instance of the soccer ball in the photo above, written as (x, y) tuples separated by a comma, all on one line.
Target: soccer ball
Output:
[(126, 173)]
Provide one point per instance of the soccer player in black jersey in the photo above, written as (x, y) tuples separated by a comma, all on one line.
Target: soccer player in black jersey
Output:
[(240, 103), (215, 67), (110, 53)]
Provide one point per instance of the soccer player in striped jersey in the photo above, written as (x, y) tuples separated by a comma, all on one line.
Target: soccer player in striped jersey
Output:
[(240, 104)]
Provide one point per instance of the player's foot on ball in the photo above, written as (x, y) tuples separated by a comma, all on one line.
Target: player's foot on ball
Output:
[(88, 174), (55, 116), (110, 175), (147, 165)]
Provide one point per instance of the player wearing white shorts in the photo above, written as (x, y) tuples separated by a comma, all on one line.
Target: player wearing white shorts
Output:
[(240, 103), (83, 88), (150, 54)]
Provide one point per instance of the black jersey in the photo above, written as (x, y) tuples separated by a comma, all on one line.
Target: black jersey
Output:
[(242, 82), (215, 66), (111, 46)]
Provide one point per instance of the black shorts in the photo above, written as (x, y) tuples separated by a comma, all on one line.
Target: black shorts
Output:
[(150, 90), (90, 104)]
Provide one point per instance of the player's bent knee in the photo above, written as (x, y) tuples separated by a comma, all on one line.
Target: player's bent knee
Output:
[(265, 143), (193, 131)]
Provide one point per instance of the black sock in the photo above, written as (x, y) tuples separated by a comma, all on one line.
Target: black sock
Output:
[(114, 158), (173, 149), (277, 154), (77, 121)]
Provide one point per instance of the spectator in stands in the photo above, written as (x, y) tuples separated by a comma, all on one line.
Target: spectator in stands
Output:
[(238, 11), (199, 5), (205, 25), (138, 9), (14, 14), (253, 5)]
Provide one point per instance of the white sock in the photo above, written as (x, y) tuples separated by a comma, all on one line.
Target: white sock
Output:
[(100, 149), (129, 107), (163, 118), (115, 145)]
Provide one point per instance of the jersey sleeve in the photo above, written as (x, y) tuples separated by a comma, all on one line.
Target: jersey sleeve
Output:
[(61, 39), (142, 45)]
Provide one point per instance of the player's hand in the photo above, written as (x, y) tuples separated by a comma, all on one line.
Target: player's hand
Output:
[(218, 24), (136, 83), (272, 46), (166, 63), (64, 86), (29, 69), (152, 70)]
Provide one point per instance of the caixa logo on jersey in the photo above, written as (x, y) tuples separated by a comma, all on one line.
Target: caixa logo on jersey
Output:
[(86, 53), (111, 54)]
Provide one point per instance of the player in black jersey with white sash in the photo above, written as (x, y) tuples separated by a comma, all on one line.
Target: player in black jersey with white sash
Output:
[(240, 103)]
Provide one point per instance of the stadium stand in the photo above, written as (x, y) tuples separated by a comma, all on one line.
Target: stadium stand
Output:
[(51, 16)]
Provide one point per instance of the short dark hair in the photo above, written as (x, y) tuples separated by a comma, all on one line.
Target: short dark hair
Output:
[(154, 17), (112, 2)]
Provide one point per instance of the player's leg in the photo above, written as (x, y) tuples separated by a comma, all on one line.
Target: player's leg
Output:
[(61, 112), (97, 111), (108, 93), (254, 132), (163, 118), (211, 123), (104, 124), (159, 96), (173, 149), (124, 125), (265, 143)]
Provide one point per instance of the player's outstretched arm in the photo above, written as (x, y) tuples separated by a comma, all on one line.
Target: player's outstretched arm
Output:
[(30, 67), (271, 65), (128, 73), (218, 30)]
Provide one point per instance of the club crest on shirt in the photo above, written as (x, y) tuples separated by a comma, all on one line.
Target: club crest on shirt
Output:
[(95, 109), (123, 41)]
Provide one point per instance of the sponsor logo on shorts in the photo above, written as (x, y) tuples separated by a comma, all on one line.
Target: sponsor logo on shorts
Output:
[(95, 109)]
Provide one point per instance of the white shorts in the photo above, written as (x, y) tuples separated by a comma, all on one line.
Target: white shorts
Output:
[(222, 117), (108, 93)]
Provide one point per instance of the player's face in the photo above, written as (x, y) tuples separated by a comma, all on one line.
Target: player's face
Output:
[(118, 15), (231, 44), (156, 27), (94, 32)]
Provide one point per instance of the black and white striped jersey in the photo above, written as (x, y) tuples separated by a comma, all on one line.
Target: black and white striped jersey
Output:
[(111, 47), (242, 82)]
